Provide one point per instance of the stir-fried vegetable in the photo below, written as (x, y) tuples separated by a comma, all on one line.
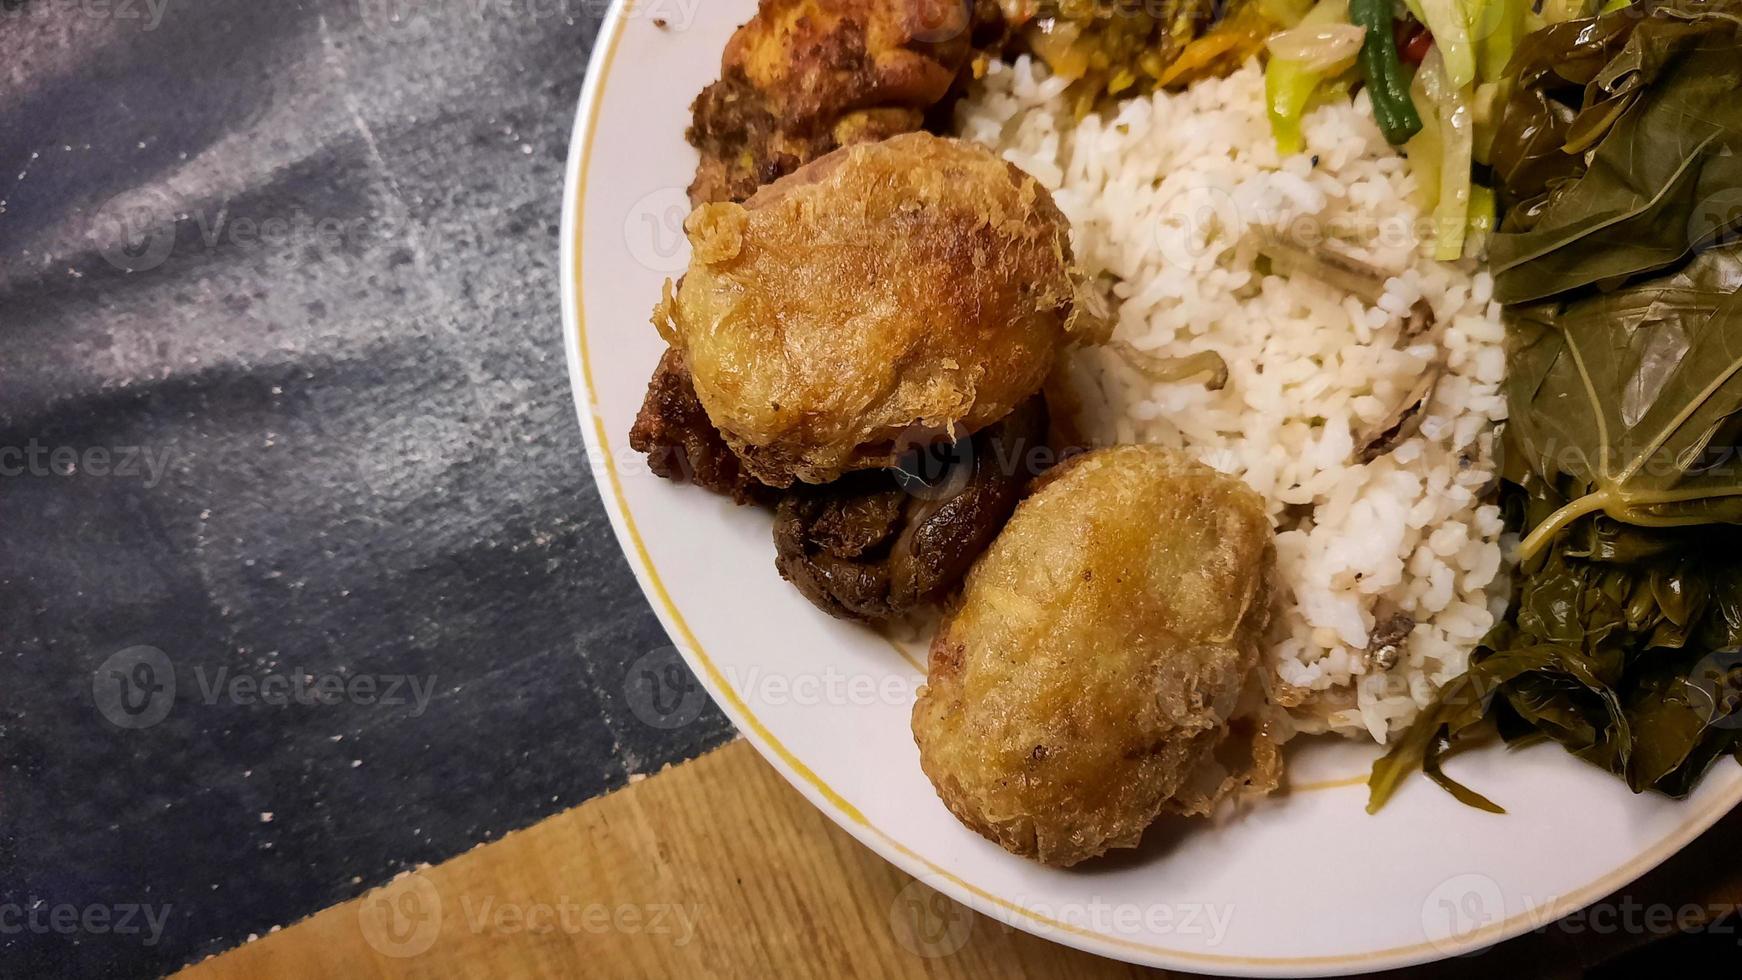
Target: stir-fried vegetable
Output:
[(1285, 13), (1289, 83), (1288, 86), (1236, 37), (1120, 48), (1620, 152), (1437, 97), (1444, 116), (1448, 21), (1318, 48), (1561, 11), (1425, 151), (1481, 220), (1387, 85), (1498, 26)]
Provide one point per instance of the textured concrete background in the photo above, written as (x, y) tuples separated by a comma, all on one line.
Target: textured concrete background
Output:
[(286, 438)]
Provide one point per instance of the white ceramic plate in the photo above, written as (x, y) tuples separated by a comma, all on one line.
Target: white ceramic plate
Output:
[(1305, 884)]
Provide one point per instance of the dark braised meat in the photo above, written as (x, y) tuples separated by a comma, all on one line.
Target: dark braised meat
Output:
[(804, 77), (681, 444), (879, 543)]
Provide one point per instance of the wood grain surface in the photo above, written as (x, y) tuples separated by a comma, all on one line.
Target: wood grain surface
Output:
[(718, 868)]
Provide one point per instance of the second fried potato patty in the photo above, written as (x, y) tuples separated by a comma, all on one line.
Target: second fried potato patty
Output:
[(1097, 653)]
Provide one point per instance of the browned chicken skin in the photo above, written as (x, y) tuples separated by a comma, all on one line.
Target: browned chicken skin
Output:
[(803, 77)]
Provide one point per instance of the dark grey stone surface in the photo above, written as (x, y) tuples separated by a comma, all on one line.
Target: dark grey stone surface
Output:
[(282, 401)]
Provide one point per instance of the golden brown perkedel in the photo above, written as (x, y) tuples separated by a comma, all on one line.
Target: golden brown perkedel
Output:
[(1086, 679), (885, 296)]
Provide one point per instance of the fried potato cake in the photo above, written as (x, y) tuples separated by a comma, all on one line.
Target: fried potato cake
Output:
[(1099, 649), (886, 296)]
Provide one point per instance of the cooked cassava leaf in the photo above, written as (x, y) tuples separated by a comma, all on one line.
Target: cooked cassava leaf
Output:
[(1620, 153), (1623, 396), (1569, 666), (1661, 125), (1550, 71), (1430, 767), (1672, 723), (1458, 711)]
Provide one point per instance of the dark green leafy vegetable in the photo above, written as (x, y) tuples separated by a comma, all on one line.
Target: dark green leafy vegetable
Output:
[(1624, 394), (1660, 114), (1619, 156)]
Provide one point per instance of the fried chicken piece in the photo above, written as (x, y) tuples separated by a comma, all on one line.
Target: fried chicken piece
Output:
[(886, 296), (875, 545), (803, 77), (1089, 673), (681, 444)]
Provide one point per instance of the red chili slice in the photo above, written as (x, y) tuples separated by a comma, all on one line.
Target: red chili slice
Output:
[(1413, 41)]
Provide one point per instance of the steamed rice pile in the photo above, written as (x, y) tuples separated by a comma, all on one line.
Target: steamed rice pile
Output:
[(1170, 196)]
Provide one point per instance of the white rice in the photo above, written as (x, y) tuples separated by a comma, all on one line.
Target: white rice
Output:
[(1167, 195)]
